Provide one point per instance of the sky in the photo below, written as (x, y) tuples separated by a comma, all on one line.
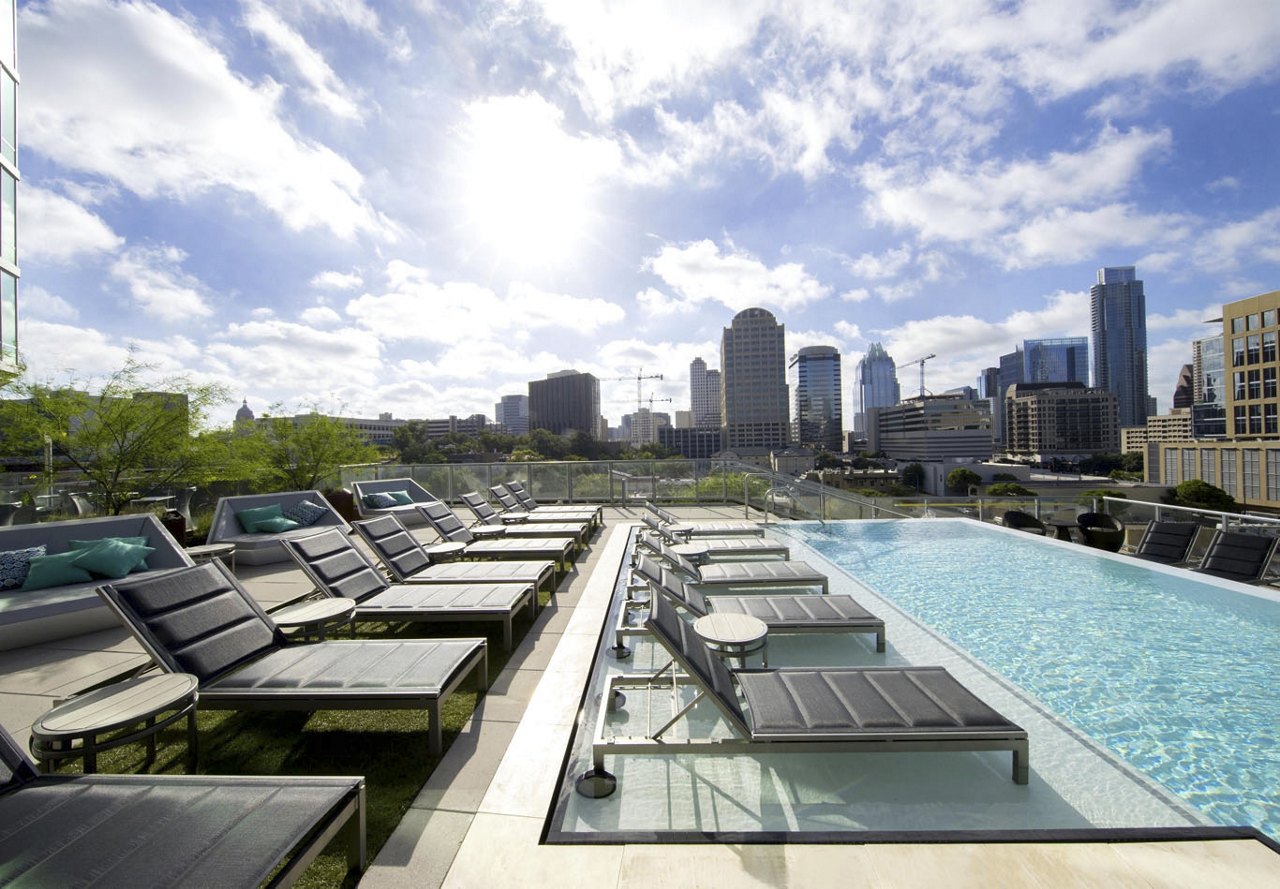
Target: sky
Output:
[(416, 207)]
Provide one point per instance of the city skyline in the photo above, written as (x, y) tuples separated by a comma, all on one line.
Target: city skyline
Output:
[(419, 209)]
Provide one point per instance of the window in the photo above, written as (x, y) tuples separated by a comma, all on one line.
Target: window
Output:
[(1171, 467), (1237, 351), (1255, 384), (1251, 323), (1208, 466), (1269, 425), (8, 217), (1268, 382), (8, 318), (1255, 349), (1252, 473), (1188, 464), (1241, 419), (1273, 474), (1269, 318), (1229, 472), (1269, 346), (1255, 419), (1237, 379), (8, 118), (1237, 325)]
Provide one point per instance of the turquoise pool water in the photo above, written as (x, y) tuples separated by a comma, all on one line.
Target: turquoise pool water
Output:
[(1177, 676)]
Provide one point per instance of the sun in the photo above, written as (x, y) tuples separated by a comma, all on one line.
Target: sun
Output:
[(526, 189)]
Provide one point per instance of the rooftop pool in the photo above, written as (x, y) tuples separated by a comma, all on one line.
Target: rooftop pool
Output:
[(1149, 695)]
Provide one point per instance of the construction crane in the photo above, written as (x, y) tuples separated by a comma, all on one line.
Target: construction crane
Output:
[(919, 361), (640, 377)]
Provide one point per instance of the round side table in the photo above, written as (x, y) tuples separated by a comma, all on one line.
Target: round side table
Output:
[(697, 553), (74, 727), (446, 550), (316, 617), (734, 635), (207, 552)]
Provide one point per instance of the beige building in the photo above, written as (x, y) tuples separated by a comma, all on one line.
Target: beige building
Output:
[(931, 427), (1173, 426), (1247, 463), (1060, 420)]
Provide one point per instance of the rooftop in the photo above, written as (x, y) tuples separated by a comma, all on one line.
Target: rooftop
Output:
[(482, 813)]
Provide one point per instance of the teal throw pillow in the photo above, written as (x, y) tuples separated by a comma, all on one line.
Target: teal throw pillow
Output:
[(112, 558), (401, 498), (249, 518), (90, 544), (56, 570), (274, 525), (14, 565)]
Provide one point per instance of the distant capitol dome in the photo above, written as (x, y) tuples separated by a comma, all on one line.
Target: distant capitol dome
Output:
[(245, 414)]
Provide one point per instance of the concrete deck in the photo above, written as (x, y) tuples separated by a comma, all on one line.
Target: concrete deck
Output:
[(478, 820)]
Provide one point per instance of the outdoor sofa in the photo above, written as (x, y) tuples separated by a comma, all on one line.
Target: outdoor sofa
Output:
[(399, 497), (234, 517), (72, 607)]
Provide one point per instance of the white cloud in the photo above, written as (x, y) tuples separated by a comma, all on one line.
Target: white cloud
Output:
[(886, 265), (296, 360), (851, 332), (155, 278), (135, 95), (333, 280), (57, 229), (1064, 235), (38, 303), (320, 316), (655, 303), (321, 86), (1224, 183), (857, 295), (1226, 247), (701, 272), (1187, 318)]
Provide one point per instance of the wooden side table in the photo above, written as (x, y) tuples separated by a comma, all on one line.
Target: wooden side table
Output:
[(735, 635), (316, 617), (74, 728)]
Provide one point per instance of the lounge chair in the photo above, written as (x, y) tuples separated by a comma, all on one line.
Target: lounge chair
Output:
[(1168, 543), (781, 613), (339, 569), (1101, 531), (511, 505), (390, 496), (739, 575), (795, 710), (718, 548), (522, 524), (521, 494), (1024, 521), (169, 830), (409, 562), (447, 524), (1239, 556), (202, 621), (712, 528)]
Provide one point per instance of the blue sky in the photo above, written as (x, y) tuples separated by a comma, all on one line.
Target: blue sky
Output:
[(417, 207)]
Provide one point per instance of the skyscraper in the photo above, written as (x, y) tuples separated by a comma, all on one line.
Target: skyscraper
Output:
[(1011, 372), (565, 402), (814, 376), (8, 190), (877, 382), (753, 360), (704, 395), (1064, 360), (1118, 313), (512, 414)]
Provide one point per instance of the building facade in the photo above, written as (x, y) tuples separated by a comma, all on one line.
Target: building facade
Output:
[(932, 427), (754, 403), (704, 395), (1118, 317), (1011, 370), (565, 402), (1060, 421), (1208, 388), (876, 379), (814, 377), (8, 189), (696, 444), (1062, 360), (512, 414)]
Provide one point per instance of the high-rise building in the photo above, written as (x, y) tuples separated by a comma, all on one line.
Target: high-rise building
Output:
[(753, 361), (8, 189), (877, 382), (1184, 389), (1060, 420), (1118, 314), (704, 395), (565, 402), (932, 427), (814, 376), (1062, 360), (512, 414), (1209, 407)]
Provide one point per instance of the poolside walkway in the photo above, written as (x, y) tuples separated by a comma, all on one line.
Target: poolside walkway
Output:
[(478, 820)]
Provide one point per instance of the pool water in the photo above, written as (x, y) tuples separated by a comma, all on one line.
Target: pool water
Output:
[(1177, 674)]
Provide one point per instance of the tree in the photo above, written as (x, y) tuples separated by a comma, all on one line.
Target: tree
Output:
[(133, 433), (960, 479), (1009, 489), (302, 453), (1201, 495), (913, 475)]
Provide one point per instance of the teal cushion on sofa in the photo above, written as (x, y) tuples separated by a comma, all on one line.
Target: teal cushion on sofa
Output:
[(112, 557), (90, 544), (249, 518), (275, 525), (55, 570), (401, 498), (14, 565)]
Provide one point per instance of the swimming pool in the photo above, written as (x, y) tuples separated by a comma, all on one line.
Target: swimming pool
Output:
[(1176, 674)]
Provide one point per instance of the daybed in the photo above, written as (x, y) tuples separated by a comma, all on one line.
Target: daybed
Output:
[(801, 709), (405, 495), (169, 830), (72, 607), (203, 622), (306, 512)]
